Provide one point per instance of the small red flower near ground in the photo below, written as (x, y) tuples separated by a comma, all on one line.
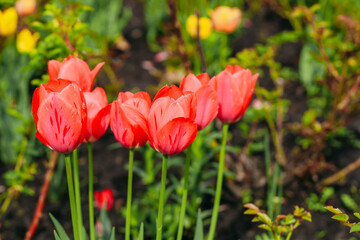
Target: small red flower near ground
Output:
[(171, 120), (235, 87), (59, 112), (104, 197), (128, 118)]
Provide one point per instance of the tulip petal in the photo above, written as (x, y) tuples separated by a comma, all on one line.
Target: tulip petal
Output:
[(54, 68), (95, 71), (190, 83), (128, 125), (60, 121), (224, 88), (172, 92), (101, 122), (207, 106), (175, 136)]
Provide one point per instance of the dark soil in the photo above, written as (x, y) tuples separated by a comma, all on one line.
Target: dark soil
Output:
[(109, 163)]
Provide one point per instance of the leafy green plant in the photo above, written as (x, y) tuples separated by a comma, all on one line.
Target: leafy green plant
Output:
[(282, 225), (344, 218), (317, 203)]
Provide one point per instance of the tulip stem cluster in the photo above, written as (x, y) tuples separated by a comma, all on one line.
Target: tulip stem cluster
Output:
[(70, 182), (91, 193), (162, 197), (129, 194), (218, 184), (184, 193)]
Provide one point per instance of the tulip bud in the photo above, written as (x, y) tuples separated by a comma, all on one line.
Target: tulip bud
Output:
[(104, 197), (8, 22), (25, 7), (26, 41), (226, 19), (205, 27)]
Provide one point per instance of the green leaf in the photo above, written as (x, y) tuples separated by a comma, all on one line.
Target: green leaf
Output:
[(355, 228), (112, 237), (141, 232), (59, 229), (357, 215), (199, 234), (56, 236), (341, 217), (333, 210)]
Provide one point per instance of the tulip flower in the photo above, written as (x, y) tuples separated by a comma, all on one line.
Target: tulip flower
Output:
[(59, 112), (128, 121), (104, 197), (26, 41), (128, 118), (25, 7), (207, 102), (205, 26), (75, 70), (235, 87), (8, 22), (171, 129), (171, 121), (98, 114), (226, 19)]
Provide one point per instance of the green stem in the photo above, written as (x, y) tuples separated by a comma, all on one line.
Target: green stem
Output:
[(218, 184), (129, 193), (91, 193), (77, 192), (71, 196), (184, 195), (162, 197)]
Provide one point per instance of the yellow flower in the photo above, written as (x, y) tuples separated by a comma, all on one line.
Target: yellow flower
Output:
[(226, 19), (25, 7), (8, 22), (26, 41), (204, 23)]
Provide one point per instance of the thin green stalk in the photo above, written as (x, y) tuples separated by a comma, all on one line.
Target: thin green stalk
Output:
[(218, 184), (129, 193), (71, 196), (162, 197), (77, 192), (184, 194), (91, 193), (272, 193)]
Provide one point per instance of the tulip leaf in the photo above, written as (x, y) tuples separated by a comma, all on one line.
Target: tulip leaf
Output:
[(141, 232), (56, 236), (199, 234), (59, 229), (112, 237)]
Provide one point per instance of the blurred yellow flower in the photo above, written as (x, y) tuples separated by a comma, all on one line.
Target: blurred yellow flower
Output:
[(25, 7), (8, 22), (204, 23), (226, 19), (26, 41)]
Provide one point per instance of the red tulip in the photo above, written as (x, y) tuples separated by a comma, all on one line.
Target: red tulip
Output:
[(59, 112), (104, 197), (171, 121), (98, 114), (207, 101), (235, 87), (128, 118), (75, 70)]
